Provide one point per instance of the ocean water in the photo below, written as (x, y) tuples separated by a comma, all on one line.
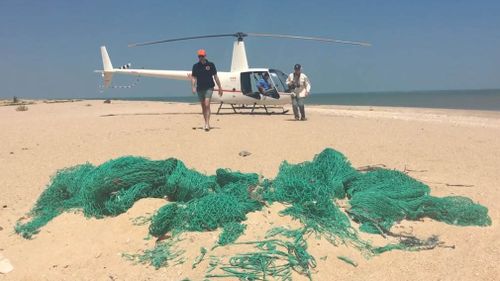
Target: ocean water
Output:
[(450, 99)]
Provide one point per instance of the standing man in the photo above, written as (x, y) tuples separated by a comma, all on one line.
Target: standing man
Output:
[(301, 87), (202, 81)]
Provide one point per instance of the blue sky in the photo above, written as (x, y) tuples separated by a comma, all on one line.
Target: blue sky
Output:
[(49, 49)]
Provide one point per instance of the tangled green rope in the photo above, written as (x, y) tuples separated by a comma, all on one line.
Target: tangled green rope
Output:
[(311, 190)]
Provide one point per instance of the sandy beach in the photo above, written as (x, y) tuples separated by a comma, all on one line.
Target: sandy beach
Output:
[(455, 152)]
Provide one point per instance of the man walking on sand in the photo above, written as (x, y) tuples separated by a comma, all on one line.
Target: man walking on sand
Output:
[(301, 87), (202, 80)]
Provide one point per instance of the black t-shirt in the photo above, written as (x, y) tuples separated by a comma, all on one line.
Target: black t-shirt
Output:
[(204, 75)]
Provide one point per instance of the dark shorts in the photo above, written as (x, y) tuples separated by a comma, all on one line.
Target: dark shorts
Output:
[(205, 94)]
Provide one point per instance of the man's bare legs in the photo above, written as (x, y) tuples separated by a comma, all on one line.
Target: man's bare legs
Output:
[(205, 107)]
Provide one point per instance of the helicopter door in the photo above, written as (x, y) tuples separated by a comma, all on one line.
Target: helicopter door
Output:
[(249, 81), (250, 85)]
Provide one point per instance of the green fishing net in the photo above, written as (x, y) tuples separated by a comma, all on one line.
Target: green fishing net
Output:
[(206, 213), (312, 191), (230, 232), (310, 188), (162, 254), (272, 258), (381, 198), (114, 186)]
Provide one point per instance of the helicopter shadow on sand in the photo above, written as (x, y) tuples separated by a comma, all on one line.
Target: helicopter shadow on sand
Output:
[(149, 113), (192, 113)]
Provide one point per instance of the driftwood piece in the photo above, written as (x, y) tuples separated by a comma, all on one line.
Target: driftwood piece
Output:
[(369, 168)]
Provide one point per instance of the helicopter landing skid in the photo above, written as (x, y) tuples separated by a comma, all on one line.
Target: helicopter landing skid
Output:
[(241, 108)]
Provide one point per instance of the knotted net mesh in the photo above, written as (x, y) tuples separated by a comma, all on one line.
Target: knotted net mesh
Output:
[(311, 191)]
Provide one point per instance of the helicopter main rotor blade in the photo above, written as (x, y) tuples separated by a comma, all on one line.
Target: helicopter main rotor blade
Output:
[(309, 38), (182, 39), (241, 35)]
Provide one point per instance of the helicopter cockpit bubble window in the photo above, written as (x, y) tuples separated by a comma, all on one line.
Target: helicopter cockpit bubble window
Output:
[(279, 80), (250, 80), (250, 83)]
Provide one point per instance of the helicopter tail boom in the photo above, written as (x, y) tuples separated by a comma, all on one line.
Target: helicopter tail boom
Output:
[(108, 71)]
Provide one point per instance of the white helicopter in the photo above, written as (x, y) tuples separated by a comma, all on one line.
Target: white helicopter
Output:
[(239, 85)]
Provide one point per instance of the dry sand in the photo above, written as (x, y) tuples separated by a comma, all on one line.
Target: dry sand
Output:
[(458, 148)]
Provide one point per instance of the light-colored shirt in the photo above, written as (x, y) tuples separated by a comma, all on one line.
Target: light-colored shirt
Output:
[(303, 85)]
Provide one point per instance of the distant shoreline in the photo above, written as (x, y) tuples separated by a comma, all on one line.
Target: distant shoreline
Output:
[(485, 99)]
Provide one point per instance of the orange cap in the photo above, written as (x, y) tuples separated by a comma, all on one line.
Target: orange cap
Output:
[(202, 52)]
